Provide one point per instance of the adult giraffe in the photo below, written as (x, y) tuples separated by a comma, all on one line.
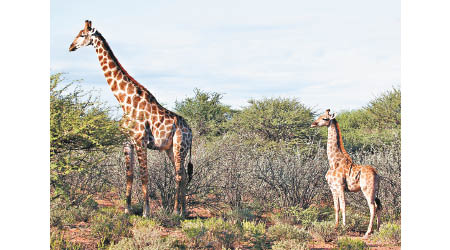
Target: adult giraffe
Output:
[(344, 175), (146, 123)]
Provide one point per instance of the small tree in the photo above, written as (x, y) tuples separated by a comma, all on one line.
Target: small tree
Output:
[(386, 109), (274, 121), (374, 125), (205, 113), (81, 135)]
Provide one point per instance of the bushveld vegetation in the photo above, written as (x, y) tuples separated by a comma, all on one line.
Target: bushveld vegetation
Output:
[(258, 171)]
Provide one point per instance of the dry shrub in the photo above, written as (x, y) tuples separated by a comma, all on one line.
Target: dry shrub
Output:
[(324, 230)]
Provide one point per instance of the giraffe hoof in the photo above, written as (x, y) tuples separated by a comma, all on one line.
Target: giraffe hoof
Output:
[(366, 236)]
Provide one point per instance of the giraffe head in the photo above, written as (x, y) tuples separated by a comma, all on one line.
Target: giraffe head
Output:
[(324, 119), (84, 37)]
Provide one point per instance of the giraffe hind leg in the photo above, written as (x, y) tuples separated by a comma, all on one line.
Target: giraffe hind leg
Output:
[(180, 182), (170, 154), (175, 157), (370, 197)]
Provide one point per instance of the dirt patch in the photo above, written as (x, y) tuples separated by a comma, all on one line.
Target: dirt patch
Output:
[(80, 234), (318, 245)]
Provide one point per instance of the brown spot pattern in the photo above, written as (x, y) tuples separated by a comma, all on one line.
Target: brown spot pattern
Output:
[(114, 86), (121, 97), (136, 100), (130, 89), (122, 85)]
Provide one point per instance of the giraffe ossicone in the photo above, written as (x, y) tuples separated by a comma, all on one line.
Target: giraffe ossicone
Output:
[(146, 123), (346, 176)]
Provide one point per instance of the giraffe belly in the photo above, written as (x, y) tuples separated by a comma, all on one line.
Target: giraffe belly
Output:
[(158, 143), (353, 185)]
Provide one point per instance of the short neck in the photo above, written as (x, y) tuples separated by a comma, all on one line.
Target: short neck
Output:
[(335, 146)]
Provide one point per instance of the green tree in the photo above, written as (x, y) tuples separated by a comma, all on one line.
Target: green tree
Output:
[(205, 113), (377, 123), (81, 133), (274, 121), (386, 110)]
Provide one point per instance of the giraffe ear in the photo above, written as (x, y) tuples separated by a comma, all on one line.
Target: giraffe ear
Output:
[(87, 25)]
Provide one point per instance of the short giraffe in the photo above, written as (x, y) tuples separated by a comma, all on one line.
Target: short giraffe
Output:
[(146, 123), (344, 175)]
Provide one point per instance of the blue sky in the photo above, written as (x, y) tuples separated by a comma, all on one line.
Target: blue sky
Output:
[(328, 54)]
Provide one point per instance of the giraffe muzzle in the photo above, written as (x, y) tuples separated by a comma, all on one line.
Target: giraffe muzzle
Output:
[(72, 48)]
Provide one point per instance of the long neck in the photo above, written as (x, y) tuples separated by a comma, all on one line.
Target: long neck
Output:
[(335, 145), (124, 87)]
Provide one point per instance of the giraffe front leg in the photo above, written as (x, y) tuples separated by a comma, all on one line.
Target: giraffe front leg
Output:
[(141, 151), (342, 203), (336, 207), (128, 149)]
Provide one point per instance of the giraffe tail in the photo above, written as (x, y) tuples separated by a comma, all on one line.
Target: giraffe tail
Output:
[(190, 167), (378, 203)]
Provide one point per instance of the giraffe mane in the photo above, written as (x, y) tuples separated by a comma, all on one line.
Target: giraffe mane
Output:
[(114, 58), (340, 141)]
